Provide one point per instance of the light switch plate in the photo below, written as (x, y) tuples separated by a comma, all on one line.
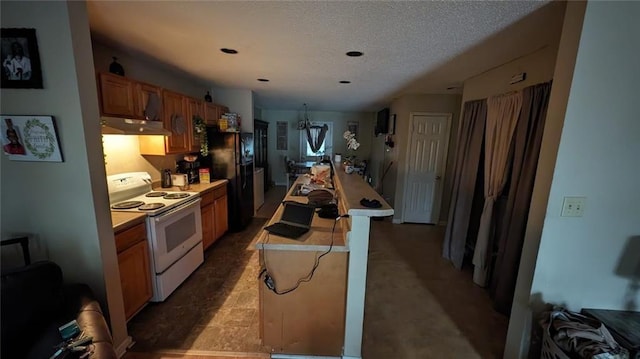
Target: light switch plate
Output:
[(573, 206)]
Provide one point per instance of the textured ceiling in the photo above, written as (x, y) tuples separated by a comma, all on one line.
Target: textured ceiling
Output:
[(409, 47)]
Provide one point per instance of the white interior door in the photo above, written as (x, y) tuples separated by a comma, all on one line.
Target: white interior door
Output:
[(427, 158)]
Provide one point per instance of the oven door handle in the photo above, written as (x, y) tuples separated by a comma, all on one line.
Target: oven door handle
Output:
[(179, 208)]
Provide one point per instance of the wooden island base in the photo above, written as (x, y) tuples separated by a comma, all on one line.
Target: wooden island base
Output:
[(310, 319), (322, 316)]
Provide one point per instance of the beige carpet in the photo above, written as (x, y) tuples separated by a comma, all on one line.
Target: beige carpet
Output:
[(417, 304)]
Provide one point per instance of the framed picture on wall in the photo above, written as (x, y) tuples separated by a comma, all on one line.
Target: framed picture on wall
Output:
[(20, 59), (282, 136), (30, 138)]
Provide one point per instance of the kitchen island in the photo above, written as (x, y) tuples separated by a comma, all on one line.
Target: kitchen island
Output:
[(324, 315)]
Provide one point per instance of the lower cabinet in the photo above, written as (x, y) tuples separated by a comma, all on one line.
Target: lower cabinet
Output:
[(215, 220), (133, 262)]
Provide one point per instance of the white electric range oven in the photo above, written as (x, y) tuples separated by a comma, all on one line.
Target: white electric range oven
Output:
[(174, 227)]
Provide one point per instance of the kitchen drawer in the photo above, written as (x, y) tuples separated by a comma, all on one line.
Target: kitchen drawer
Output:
[(207, 198), (129, 237), (220, 191), (210, 196)]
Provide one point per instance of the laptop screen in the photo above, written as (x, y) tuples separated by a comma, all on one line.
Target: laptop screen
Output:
[(298, 213)]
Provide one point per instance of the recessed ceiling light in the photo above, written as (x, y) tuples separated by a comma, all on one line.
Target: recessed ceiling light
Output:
[(345, 82), (229, 51), (263, 80), (354, 54)]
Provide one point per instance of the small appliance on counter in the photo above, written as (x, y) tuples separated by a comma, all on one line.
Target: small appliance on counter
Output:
[(190, 168), (166, 178)]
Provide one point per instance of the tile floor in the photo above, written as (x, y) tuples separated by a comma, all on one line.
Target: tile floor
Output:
[(417, 304)]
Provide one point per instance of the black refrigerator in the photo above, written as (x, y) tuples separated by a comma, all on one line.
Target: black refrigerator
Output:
[(227, 159)]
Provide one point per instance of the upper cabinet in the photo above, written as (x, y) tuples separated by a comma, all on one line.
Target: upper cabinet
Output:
[(177, 121), (127, 98), (194, 108), (213, 112), (124, 97), (116, 96), (149, 102)]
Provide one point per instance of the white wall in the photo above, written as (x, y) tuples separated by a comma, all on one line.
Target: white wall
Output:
[(597, 158), (239, 101), (64, 205), (393, 186), (339, 120)]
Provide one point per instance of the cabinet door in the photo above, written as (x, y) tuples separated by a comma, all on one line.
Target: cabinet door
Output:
[(175, 120), (116, 96), (208, 231), (211, 114), (194, 108), (143, 92), (135, 277), (222, 219)]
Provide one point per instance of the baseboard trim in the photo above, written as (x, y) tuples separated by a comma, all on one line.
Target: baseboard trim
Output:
[(121, 349), (210, 353), (293, 356)]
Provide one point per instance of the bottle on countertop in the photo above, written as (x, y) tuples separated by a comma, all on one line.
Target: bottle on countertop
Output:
[(166, 178)]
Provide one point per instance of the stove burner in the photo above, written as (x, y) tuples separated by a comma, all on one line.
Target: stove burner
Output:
[(150, 206), (127, 205), (155, 194), (176, 195)]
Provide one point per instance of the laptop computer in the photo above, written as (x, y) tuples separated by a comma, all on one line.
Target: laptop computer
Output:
[(295, 221)]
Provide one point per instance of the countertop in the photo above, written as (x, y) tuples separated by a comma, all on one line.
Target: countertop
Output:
[(198, 187), (350, 189), (124, 220), (317, 239)]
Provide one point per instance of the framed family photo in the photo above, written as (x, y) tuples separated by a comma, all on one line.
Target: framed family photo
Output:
[(20, 59), (30, 138)]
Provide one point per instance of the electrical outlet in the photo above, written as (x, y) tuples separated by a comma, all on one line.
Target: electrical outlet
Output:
[(573, 206)]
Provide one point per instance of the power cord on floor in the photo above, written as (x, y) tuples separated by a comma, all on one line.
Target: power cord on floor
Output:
[(271, 283)]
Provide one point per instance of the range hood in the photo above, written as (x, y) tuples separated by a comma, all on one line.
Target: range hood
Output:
[(126, 126)]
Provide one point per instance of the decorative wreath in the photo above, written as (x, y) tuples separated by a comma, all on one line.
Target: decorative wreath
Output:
[(48, 149)]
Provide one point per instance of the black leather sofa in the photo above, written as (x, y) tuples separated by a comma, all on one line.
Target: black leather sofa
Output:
[(35, 302)]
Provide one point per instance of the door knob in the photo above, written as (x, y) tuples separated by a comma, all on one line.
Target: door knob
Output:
[(438, 178)]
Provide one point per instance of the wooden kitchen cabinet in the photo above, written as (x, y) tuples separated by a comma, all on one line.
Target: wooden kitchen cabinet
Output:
[(116, 95), (194, 108), (175, 116), (221, 216), (133, 262), (215, 220), (123, 97), (213, 112), (143, 92), (176, 121)]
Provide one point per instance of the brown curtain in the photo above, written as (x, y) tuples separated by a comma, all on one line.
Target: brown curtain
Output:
[(527, 140), (503, 112), (469, 147)]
